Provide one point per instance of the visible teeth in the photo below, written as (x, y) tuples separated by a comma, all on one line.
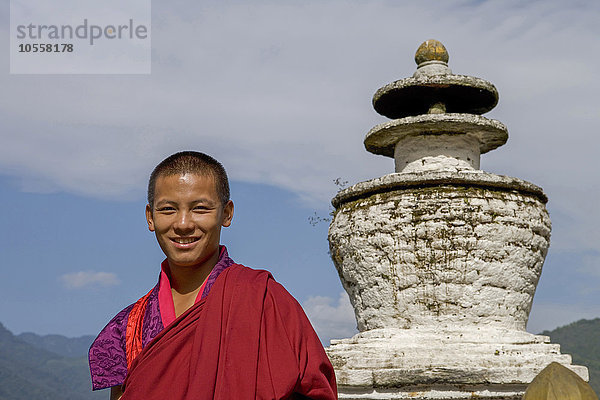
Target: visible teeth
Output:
[(185, 240)]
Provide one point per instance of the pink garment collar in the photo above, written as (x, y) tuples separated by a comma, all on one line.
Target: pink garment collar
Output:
[(165, 297)]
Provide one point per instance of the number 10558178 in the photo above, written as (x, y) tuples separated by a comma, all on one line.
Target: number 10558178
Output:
[(45, 48)]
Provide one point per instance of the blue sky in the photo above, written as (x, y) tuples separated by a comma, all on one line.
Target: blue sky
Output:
[(281, 94)]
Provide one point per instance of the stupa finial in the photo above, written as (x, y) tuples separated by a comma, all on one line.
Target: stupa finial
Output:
[(432, 59), (431, 50)]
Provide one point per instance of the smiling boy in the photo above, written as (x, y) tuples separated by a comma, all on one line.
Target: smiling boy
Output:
[(186, 216), (210, 328)]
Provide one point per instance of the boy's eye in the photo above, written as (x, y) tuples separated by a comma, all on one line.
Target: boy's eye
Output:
[(166, 209), (200, 208)]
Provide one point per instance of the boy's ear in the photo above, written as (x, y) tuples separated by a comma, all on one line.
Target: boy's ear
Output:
[(149, 218), (227, 214)]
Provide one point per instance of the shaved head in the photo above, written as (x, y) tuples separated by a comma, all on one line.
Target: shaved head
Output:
[(191, 162)]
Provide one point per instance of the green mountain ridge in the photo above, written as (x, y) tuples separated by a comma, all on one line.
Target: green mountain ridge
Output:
[(31, 373), (61, 345)]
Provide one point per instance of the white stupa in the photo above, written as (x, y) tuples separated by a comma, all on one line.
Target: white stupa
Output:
[(440, 259)]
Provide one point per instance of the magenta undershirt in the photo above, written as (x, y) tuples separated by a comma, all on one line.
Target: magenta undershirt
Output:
[(165, 297)]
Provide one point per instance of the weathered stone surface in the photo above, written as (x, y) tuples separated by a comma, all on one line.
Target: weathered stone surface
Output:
[(385, 138), (488, 392), (440, 255), (445, 152), (416, 95), (425, 179), (436, 360)]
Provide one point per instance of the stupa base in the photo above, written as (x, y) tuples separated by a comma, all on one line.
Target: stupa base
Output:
[(442, 363), (436, 392)]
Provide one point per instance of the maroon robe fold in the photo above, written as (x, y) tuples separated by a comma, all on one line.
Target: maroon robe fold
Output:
[(249, 339)]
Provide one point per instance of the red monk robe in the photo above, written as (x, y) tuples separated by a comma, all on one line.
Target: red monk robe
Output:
[(249, 339)]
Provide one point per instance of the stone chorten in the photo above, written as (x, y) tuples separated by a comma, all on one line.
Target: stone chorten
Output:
[(440, 259)]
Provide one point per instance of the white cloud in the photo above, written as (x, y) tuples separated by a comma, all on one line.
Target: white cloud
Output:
[(331, 318), (82, 279)]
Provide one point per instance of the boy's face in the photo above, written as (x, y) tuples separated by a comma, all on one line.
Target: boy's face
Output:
[(187, 217)]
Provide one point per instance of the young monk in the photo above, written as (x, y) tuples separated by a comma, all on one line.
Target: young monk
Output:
[(210, 328)]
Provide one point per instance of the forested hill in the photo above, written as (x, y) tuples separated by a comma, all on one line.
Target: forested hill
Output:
[(581, 339), (31, 373), (61, 345)]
